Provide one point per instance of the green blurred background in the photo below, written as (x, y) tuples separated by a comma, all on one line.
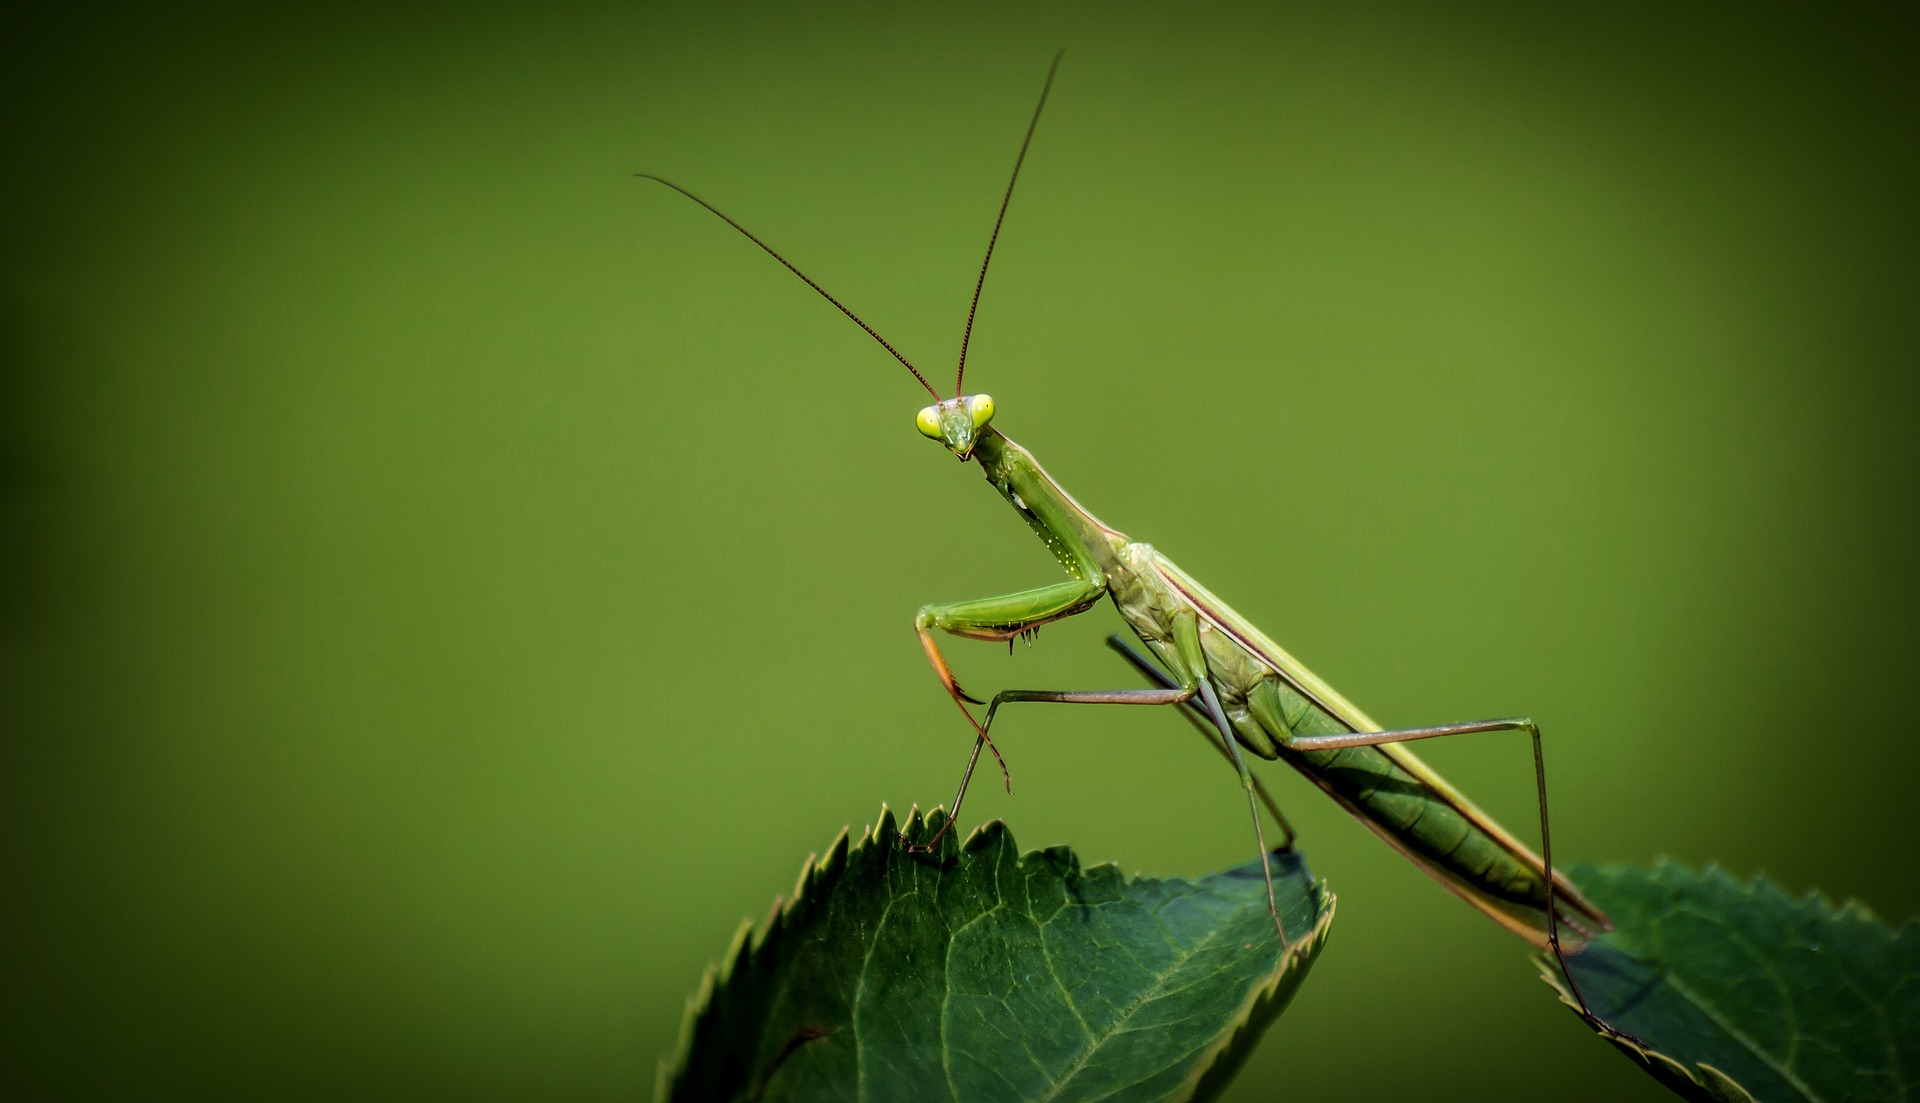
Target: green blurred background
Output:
[(449, 583)]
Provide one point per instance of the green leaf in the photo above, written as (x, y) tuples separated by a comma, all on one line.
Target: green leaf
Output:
[(979, 973), (1725, 991)]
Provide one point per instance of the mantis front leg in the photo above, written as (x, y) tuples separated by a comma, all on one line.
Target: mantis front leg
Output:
[(994, 619), (1188, 685)]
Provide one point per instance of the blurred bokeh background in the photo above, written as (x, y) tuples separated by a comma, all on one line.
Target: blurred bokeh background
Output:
[(448, 583)]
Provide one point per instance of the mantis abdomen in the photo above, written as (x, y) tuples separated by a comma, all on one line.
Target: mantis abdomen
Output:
[(1275, 703)]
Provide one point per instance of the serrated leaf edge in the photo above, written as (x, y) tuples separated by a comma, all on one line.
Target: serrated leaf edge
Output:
[(1713, 1083), (1812, 902), (1262, 1004), (817, 875)]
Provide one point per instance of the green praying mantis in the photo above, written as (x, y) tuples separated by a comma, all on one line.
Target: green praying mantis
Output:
[(1243, 691)]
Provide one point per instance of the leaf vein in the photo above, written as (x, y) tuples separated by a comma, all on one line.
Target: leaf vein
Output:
[(1741, 1037), (1146, 997), (859, 995)]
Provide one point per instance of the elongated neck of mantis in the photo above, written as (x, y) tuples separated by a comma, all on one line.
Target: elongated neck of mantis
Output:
[(1085, 546)]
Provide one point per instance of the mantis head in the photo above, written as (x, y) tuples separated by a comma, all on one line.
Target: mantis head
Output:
[(956, 422)]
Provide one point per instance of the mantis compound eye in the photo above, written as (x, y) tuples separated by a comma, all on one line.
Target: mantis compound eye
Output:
[(928, 422), (980, 409)]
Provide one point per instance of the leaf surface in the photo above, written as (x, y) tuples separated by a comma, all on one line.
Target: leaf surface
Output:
[(979, 973), (1730, 991)]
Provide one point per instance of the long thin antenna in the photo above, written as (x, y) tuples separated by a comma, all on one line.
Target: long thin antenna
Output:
[(966, 337), (803, 275)]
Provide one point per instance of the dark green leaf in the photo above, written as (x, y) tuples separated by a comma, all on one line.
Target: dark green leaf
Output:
[(979, 973), (1730, 991)]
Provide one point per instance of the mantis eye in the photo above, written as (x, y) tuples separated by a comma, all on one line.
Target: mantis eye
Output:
[(928, 422), (980, 408)]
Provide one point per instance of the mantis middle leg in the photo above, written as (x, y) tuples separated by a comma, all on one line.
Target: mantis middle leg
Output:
[(1202, 723), (1262, 706)]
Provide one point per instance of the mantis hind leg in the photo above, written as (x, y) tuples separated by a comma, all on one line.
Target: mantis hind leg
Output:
[(1515, 724)]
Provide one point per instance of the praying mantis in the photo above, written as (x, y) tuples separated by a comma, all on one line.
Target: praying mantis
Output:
[(1244, 692)]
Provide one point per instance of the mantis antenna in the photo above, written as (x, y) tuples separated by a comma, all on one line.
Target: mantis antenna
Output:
[(809, 281), (967, 336), (973, 308)]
